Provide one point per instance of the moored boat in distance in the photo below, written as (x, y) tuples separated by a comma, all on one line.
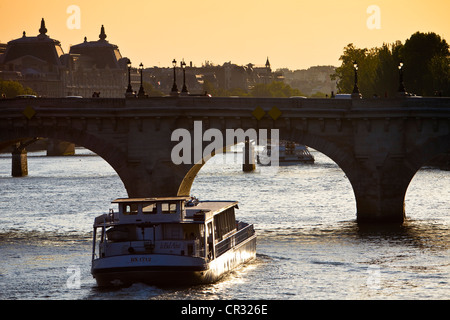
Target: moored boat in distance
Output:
[(171, 240), (288, 153)]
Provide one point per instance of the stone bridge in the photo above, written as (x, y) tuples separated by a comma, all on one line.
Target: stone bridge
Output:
[(379, 143)]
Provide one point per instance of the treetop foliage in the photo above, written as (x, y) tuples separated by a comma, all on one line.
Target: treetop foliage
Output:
[(274, 89), (426, 67), (11, 89)]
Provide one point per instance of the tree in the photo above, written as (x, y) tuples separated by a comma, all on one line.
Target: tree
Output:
[(425, 57), (426, 61), (440, 68), (209, 88), (367, 64), (151, 91), (12, 89), (239, 92), (319, 95), (274, 89), (386, 74)]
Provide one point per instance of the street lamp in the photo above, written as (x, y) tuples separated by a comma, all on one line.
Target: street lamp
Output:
[(356, 94), (141, 93), (174, 91), (129, 93), (184, 91), (401, 86)]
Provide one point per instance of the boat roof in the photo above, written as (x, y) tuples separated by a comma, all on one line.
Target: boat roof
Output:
[(205, 205), (213, 206), (160, 199), (209, 206)]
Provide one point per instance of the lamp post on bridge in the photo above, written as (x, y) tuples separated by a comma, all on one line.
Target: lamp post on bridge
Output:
[(174, 91), (184, 91), (401, 87), (356, 94), (129, 93), (141, 93)]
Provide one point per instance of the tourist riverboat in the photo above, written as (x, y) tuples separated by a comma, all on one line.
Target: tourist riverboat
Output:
[(172, 240), (288, 153)]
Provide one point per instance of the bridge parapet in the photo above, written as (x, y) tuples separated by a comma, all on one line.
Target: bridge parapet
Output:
[(244, 103)]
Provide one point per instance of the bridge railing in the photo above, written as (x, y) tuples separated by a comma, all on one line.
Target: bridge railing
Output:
[(234, 240), (227, 103)]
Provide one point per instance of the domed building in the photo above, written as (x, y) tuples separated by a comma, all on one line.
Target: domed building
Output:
[(91, 68), (35, 62), (96, 66)]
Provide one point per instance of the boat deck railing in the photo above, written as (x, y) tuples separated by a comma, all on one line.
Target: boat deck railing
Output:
[(234, 240)]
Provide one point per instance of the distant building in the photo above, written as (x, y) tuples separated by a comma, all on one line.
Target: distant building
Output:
[(2, 48), (96, 66), (35, 62), (312, 80), (227, 76), (40, 63)]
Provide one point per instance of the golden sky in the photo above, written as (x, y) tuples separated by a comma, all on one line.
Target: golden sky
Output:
[(292, 33)]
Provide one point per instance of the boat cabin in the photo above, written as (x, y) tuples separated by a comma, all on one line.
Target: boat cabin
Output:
[(150, 209), (172, 225)]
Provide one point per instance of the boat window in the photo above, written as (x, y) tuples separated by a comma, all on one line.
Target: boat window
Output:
[(169, 207), (172, 232), (202, 232), (224, 223), (216, 232), (191, 231), (130, 209), (118, 233), (209, 228), (149, 208)]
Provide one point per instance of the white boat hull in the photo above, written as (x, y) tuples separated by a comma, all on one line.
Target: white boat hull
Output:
[(170, 269)]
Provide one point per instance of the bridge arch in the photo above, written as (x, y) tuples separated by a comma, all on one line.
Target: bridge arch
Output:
[(328, 148), (427, 151), (421, 156), (393, 191), (112, 155)]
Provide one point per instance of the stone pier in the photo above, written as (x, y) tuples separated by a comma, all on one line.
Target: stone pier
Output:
[(19, 161), (249, 156)]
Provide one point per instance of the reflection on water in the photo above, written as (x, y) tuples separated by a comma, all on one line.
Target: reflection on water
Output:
[(415, 234), (309, 244)]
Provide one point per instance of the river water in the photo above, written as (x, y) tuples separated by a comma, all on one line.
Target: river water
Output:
[(309, 245)]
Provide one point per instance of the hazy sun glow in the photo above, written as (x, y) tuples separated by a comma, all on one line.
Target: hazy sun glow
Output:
[(292, 33)]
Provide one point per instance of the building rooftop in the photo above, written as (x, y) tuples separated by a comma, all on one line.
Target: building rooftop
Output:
[(42, 47), (102, 54)]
